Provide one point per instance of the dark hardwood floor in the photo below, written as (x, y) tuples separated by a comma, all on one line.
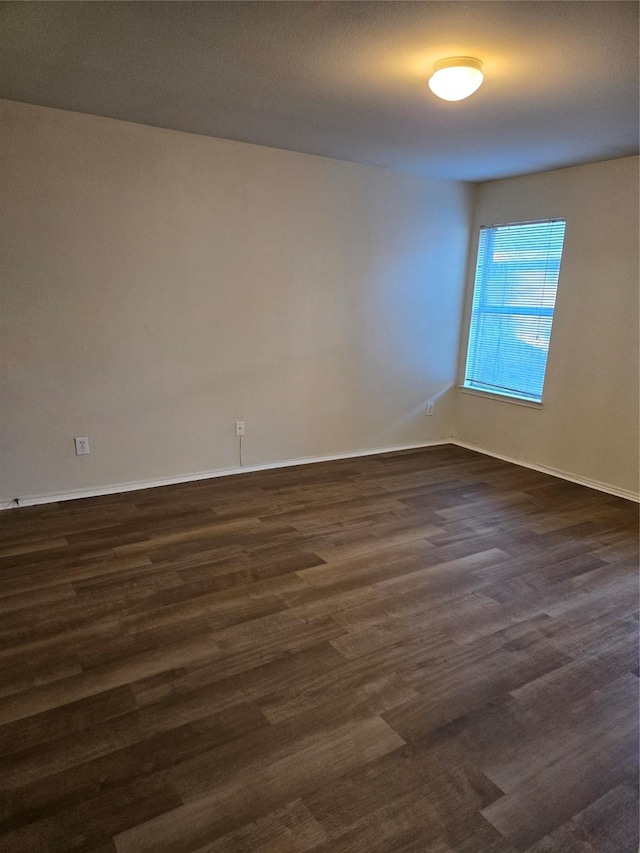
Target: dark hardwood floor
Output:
[(421, 652)]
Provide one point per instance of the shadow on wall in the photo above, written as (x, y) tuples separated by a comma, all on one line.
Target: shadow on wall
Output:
[(442, 400)]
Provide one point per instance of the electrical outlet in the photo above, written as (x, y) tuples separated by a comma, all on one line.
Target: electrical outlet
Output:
[(429, 408), (82, 446), (239, 427)]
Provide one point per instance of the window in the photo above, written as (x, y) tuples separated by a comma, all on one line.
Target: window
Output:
[(513, 301)]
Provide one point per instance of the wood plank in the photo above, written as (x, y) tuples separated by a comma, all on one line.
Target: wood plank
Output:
[(291, 829), (98, 680), (528, 812), (259, 788)]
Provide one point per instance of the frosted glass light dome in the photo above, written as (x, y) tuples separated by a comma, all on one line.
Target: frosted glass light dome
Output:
[(456, 78)]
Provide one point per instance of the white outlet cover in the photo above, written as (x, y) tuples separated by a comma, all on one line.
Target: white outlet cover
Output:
[(82, 445)]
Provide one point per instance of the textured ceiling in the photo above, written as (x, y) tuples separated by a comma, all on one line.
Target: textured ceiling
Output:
[(344, 79)]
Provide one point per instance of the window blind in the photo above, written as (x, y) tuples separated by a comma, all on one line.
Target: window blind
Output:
[(513, 303)]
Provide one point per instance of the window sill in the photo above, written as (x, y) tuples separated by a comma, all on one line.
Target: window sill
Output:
[(504, 398)]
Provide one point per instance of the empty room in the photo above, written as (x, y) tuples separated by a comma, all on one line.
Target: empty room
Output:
[(319, 427)]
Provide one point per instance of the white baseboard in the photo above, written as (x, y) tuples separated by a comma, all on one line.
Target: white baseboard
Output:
[(555, 472), (33, 500)]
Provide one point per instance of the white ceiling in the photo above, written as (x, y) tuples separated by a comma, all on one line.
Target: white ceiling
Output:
[(344, 79)]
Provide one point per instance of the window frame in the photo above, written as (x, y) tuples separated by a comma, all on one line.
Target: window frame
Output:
[(501, 395)]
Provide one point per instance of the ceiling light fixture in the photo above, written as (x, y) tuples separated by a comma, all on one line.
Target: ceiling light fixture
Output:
[(456, 78)]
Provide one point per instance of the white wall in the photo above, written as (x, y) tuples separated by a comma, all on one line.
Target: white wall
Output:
[(156, 286), (588, 424)]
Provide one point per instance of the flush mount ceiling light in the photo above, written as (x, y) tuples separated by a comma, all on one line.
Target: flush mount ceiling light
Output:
[(456, 78)]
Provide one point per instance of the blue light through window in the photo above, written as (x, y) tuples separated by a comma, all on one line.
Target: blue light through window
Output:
[(514, 297)]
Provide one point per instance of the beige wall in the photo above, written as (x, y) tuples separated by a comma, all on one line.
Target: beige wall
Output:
[(158, 286), (588, 424)]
